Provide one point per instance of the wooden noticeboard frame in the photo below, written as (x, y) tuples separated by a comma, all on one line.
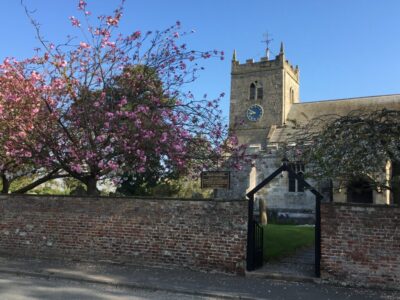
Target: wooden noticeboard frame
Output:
[(216, 180)]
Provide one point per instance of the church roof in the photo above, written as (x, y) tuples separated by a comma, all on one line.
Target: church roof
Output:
[(306, 111)]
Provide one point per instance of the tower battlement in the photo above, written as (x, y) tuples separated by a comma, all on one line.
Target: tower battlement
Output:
[(265, 63)]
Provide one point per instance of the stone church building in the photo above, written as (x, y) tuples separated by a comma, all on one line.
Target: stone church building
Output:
[(264, 99)]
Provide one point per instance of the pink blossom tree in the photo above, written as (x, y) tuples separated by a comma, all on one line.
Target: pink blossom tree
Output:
[(17, 112), (21, 110), (109, 102)]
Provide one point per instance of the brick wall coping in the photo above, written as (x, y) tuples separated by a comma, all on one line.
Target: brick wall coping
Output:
[(62, 197), (361, 205)]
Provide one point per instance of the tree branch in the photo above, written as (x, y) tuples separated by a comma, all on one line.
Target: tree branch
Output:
[(50, 176)]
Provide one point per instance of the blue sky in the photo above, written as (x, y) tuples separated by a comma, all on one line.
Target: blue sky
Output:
[(344, 48)]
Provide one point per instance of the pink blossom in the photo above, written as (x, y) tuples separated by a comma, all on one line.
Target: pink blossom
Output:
[(101, 164), (22, 134), (123, 101), (84, 45), (101, 138), (36, 76), (75, 22), (178, 147), (112, 165), (135, 35), (61, 63), (76, 168), (112, 21), (110, 44), (164, 137), (82, 5)]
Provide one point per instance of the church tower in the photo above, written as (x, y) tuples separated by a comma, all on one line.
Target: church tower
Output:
[(261, 95)]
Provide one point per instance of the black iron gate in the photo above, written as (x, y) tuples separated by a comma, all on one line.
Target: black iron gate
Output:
[(255, 230)]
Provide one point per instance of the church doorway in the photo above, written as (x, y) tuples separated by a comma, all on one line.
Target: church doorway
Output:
[(360, 191), (257, 233)]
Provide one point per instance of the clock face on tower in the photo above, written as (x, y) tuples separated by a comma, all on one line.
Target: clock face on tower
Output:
[(254, 112)]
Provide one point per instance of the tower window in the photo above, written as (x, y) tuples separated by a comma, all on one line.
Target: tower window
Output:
[(260, 93), (256, 91), (252, 91)]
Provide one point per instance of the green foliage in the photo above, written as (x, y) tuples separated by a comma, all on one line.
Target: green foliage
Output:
[(46, 189), (21, 182), (65, 186), (183, 187), (190, 188), (155, 180), (147, 184), (284, 240), (349, 147), (73, 186), (51, 187)]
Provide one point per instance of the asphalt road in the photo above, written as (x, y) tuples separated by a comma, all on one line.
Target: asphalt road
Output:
[(14, 287)]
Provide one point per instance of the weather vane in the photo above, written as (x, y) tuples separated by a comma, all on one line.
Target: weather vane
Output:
[(267, 40)]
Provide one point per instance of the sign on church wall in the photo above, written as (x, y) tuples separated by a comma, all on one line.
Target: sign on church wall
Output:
[(215, 180)]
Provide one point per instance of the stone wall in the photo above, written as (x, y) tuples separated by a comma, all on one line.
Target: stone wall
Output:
[(202, 235), (284, 205), (360, 244)]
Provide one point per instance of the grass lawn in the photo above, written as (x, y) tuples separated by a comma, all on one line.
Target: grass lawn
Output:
[(283, 240)]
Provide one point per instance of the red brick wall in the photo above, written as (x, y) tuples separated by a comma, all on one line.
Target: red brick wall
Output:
[(360, 244), (203, 235)]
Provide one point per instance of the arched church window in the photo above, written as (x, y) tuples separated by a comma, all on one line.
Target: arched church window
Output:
[(252, 91), (260, 92), (256, 91), (291, 96)]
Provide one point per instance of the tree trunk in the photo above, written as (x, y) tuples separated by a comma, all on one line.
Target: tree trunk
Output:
[(6, 184), (91, 186)]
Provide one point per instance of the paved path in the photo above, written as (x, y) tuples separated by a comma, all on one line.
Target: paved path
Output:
[(175, 281), (301, 264)]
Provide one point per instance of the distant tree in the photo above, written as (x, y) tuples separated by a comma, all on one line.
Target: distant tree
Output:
[(353, 146), (138, 92)]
